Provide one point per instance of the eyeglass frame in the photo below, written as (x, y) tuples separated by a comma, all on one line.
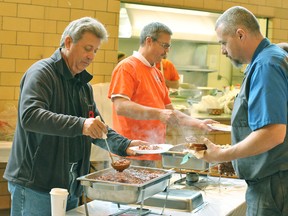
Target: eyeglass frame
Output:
[(163, 45)]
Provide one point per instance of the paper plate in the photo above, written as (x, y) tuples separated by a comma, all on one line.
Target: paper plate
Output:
[(161, 148), (220, 127)]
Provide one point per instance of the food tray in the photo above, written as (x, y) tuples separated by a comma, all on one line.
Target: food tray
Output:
[(123, 193), (173, 159)]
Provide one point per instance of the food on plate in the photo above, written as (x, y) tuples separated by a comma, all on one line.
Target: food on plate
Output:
[(197, 146), (226, 168), (222, 169), (149, 147), (220, 127), (131, 176), (215, 111)]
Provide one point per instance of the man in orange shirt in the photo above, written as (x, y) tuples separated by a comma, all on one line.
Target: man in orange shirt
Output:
[(170, 73), (141, 104)]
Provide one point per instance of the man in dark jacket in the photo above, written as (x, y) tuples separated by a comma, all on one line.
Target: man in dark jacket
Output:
[(57, 123)]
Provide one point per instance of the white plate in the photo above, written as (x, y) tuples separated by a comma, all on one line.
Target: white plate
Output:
[(220, 127), (162, 148)]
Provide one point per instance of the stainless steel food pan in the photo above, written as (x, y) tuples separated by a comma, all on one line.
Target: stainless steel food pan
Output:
[(123, 193), (173, 159), (177, 199)]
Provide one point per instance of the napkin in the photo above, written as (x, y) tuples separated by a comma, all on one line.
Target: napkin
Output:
[(192, 153), (199, 154)]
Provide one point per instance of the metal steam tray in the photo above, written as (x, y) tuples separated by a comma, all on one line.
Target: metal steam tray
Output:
[(173, 159), (181, 199), (124, 193)]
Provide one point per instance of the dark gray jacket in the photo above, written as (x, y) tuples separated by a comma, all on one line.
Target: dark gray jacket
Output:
[(40, 153)]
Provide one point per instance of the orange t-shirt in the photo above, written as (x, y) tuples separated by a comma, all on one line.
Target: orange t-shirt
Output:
[(170, 72), (144, 85)]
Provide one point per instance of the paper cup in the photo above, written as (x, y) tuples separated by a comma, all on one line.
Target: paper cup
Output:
[(58, 201)]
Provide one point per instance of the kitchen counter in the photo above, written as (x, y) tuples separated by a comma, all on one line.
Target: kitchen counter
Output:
[(222, 117), (176, 135), (225, 196), (182, 105)]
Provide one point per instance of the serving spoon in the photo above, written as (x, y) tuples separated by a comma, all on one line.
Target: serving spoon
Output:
[(119, 165)]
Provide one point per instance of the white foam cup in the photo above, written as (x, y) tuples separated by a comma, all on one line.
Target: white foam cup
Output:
[(58, 201)]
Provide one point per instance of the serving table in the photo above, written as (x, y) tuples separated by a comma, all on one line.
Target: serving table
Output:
[(222, 196)]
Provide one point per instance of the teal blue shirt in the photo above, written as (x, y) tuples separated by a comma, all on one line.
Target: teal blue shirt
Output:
[(262, 100)]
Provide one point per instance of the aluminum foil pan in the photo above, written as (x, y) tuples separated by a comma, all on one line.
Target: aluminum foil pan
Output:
[(124, 193)]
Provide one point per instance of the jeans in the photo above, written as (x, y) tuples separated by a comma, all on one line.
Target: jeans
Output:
[(28, 202), (268, 196)]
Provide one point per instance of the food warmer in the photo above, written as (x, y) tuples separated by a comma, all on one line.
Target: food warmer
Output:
[(174, 157), (124, 193)]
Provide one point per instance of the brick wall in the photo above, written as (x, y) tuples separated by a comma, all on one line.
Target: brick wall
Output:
[(31, 30)]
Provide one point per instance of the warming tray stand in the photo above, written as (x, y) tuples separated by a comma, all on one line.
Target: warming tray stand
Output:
[(143, 191), (135, 211)]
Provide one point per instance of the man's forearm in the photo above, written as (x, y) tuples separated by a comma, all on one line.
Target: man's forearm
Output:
[(136, 111)]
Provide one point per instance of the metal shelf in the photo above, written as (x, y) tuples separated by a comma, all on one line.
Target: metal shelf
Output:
[(194, 69)]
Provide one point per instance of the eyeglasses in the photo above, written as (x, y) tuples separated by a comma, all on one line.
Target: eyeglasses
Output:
[(164, 45)]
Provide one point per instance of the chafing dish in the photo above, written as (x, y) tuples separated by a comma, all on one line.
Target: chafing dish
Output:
[(124, 193), (187, 200), (173, 159)]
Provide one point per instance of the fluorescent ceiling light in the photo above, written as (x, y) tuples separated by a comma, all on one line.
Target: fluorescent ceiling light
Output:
[(185, 24)]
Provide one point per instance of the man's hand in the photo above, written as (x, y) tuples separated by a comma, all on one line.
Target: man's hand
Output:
[(135, 143), (204, 125), (213, 152), (94, 128)]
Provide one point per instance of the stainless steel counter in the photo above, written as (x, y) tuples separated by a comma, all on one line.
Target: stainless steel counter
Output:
[(221, 197)]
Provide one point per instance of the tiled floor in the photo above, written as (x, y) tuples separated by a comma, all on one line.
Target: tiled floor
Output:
[(5, 212)]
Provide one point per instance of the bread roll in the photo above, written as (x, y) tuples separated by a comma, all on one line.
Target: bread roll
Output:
[(197, 146)]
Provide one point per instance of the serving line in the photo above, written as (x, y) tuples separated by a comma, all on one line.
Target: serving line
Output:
[(98, 187), (222, 196)]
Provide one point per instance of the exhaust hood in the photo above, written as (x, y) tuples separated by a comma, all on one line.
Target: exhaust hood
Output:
[(185, 24)]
